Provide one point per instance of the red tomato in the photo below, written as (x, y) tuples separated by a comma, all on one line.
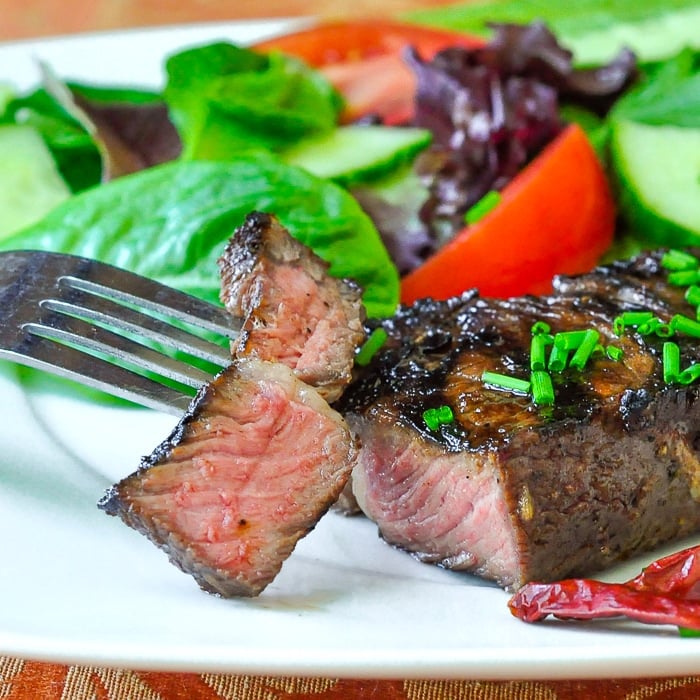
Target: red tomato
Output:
[(363, 59), (556, 216)]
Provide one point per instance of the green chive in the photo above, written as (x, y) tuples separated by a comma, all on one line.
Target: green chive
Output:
[(538, 350), (487, 203), (557, 358), (435, 417), (682, 278), (445, 415), (631, 319), (569, 340), (374, 342), (614, 353), (692, 295), (690, 374), (431, 418), (656, 326), (671, 362), (542, 388), (679, 260), (505, 381), (683, 324), (585, 349), (540, 327)]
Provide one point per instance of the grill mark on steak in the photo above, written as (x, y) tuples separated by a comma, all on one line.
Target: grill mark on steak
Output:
[(295, 312), (514, 492), (253, 465)]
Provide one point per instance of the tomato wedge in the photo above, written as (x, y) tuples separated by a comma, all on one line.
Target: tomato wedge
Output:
[(353, 41), (363, 59), (557, 216)]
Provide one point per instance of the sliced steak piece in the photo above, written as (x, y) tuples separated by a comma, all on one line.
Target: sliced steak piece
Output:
[(511, 491), (248, 471), (295, 312)]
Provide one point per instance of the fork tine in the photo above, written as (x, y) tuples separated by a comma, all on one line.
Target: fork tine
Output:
[(126, 287), (103, 310), (64, 361), (79, 333)]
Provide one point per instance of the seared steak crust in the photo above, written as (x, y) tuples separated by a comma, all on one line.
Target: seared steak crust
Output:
[(516, 492), (294, 311), (248, 471)]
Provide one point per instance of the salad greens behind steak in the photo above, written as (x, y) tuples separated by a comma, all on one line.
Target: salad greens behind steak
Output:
[(161, 179), (171, 222)]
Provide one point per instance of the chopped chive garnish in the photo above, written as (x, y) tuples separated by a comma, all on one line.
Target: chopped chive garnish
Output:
[(540, 327), (671, 362), (656, 326), (690, 374), (542, 388), (445, 414), (557, 358), (435, 417), (488, 202), (630, 319), (569, 340), (681, 278), (431, 419), (614, 352), (505, 381), (679, 260), (683, 324), (538, 350), (374, 342), (692, 295), (585, 349)]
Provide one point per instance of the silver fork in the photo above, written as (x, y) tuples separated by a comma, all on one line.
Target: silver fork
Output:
[(93, 322)]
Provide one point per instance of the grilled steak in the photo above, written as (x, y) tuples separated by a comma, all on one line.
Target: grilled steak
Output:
[(260, 455), (514, 491), (250, 469), (295, 312)]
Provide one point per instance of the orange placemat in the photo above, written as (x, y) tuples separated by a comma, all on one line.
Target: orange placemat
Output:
[(25, 680)]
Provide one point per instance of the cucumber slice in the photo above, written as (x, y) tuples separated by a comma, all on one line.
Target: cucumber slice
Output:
[(30, 184), (658, 168), (355, 154)]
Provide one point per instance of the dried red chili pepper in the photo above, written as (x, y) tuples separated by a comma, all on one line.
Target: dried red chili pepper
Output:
[(665, 592), (677, 574)]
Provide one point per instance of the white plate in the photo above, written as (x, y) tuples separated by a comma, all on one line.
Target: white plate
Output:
[(77, 586)]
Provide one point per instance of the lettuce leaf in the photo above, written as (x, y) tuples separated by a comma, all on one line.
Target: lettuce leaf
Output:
[(171, 223), (73, 149), (669, 95), (225, 99)]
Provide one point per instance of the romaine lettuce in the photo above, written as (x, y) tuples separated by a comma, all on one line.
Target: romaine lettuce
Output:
[(171, 223)]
